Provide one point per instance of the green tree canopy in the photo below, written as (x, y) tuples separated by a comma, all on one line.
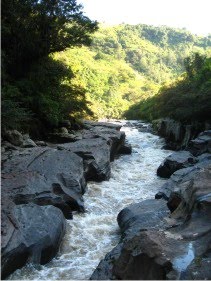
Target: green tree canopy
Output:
[(32, 29)]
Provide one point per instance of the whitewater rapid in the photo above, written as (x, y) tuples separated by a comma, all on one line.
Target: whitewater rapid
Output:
[(91, 235)]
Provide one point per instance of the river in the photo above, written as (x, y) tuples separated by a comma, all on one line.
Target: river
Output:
[(91, 235)]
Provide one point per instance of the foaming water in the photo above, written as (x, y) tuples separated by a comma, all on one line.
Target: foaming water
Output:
[(91, 235)]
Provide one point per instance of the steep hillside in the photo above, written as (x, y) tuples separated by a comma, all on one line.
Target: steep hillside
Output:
[(129, 63)]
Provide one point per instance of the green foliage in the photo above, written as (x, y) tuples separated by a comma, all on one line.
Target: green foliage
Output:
[(32, 29), (46, 77), (13, 116), (32, 81), (187, 99), (126, 64), (48, 92), (111, 85)]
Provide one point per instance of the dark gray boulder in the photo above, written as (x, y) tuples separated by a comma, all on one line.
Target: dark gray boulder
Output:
[(114, 138), (137, 217), (199, 269), (125, 149), (104, 270), (31, 234), (185, 175), (56, 173), (177, 160), (96, 156)]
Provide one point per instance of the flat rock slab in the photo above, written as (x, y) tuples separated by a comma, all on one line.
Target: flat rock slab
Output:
[(60, 172), (115, 138)]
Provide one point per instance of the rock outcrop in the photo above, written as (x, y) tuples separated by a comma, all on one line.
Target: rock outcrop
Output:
[(201, 144), (176, 134), (43, 183), (96, 156)]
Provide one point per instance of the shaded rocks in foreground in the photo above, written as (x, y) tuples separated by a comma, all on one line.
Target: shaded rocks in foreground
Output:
[(162, 241), (33, 234), (44, 183)]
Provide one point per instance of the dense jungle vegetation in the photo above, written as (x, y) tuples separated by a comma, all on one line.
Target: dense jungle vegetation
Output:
[(57, 64)]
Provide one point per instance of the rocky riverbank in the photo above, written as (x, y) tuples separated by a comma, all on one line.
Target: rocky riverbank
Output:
[(178, 135), (43, 183), (168, 237)]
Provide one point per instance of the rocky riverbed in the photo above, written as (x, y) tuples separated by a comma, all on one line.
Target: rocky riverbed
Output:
[(163, 238), (44, 183)]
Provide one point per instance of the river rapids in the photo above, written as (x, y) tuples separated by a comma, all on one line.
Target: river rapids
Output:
[(91, 235)]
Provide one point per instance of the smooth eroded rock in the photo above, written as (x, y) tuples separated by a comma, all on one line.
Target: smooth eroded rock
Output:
[(32, 234)]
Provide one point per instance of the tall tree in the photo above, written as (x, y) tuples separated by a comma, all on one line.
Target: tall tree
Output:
[(32, 29)]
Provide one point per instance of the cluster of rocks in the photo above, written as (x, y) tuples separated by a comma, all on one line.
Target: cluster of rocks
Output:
[(176, 134), (43, 183), (169, 238)]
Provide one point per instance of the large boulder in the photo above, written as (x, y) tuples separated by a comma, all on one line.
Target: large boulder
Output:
[(188, 193), (177, 160), (185, 175), (115, 138), (200, 268), (96, 157), (41, 174), (148, 214), (31, 233)]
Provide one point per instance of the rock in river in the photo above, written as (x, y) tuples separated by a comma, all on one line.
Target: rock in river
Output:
[(177, 160)]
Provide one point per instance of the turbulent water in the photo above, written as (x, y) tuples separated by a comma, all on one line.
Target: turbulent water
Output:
[(91, 235)]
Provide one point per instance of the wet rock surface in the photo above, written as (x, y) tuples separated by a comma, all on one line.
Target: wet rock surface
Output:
[(49, 180)]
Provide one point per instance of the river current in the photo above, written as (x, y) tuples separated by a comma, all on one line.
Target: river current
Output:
[(91, 235)]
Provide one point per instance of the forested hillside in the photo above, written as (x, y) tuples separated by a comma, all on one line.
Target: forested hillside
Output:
[(187, 99), (126, 64), (57, 65)]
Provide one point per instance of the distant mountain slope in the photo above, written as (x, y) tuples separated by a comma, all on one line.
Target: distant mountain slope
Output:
[(128, 63)]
